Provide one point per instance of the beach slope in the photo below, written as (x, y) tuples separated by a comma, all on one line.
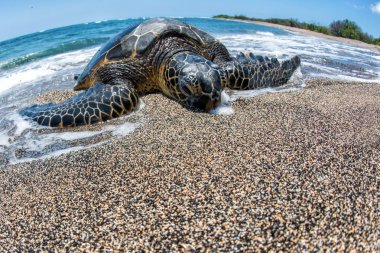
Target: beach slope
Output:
[(292, 171)]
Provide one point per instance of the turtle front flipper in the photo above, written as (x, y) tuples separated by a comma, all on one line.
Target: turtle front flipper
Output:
[(99, 103), (248, 71)]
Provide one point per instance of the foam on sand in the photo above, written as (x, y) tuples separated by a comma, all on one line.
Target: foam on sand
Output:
[(295, 83), (53, 144), (24, 140), (225, 107)]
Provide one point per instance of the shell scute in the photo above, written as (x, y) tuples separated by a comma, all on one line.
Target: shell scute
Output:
[(136, 40), (144, 41), (139, 40)]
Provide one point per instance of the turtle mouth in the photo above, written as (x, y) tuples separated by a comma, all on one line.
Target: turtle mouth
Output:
[(185, 90), (205, 102)]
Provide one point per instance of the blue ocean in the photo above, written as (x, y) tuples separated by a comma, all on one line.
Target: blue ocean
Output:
[(48, 60)]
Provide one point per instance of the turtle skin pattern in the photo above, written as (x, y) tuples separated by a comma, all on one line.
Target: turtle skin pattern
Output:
[(99, 103), (198, 90), (247, 71), (169, 56)]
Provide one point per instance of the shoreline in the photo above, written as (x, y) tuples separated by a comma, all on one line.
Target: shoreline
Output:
[(291, 171), (312, 33)]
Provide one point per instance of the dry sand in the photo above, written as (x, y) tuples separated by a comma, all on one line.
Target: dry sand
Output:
[(289, 171), (308, 32)]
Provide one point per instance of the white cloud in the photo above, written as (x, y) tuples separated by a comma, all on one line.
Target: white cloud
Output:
[(376, 8)]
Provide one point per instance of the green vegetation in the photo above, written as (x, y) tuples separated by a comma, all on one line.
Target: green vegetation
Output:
[(341, 28), (349, 29), (376, 41)]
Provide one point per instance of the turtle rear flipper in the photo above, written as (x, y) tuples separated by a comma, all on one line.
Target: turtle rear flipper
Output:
[(248, 71), (100, 103)]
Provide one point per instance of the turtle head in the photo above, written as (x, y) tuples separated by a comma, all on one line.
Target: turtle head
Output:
[(83, 82), (88, 78), (201, 83)]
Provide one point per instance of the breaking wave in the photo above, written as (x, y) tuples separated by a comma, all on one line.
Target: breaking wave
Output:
[(63, 48)]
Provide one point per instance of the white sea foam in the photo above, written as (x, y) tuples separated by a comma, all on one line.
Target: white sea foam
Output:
[(296, 83), (57, 143), (341, 78), (39, 142), (236, 94), (265, 33), (23, 76), (51, 139), (70, 136), (20, 123), (225, 107), (4, 138), (329, 57), (101, 21), (15, 127), (15, 160), (123, 130), (44, 69)]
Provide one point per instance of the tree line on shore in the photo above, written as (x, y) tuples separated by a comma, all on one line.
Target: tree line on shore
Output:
[(340, 28)]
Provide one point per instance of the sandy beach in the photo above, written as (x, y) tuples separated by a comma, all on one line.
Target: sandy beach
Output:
[(294, 171), (308, 32)]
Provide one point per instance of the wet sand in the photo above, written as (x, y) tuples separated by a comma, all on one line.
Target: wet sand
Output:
[(294, 171), (317, 34)]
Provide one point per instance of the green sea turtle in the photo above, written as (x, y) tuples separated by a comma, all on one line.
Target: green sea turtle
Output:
[(160, 55)]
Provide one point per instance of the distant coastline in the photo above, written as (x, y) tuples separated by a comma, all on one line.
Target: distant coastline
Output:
[(303, 31)]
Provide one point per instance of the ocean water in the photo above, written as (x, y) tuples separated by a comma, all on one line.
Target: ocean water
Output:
[(48, 60)]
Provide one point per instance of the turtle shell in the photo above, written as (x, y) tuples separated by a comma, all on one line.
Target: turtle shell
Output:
[(134, 41)]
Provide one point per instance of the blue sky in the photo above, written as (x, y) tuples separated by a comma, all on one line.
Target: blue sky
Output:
[(18, 17)]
